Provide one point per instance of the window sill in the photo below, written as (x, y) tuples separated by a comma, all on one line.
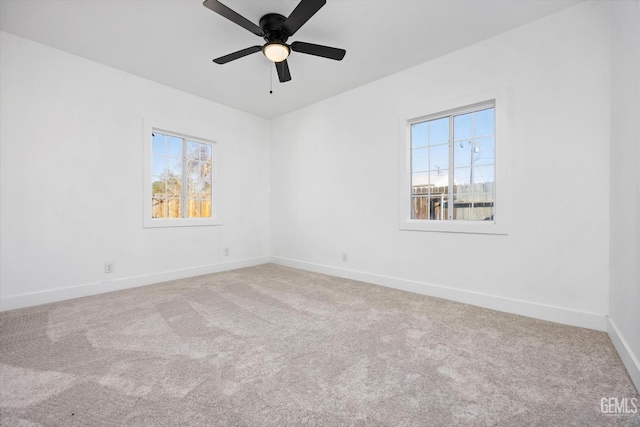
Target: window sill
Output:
[(180, 222), (468, 227)]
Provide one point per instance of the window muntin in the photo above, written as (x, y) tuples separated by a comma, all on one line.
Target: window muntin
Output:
[(462, 141)]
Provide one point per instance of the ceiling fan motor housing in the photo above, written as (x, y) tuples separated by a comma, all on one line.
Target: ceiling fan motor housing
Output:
[(271, 25)]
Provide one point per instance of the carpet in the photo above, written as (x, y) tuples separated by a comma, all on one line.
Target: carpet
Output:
[(275, 346)]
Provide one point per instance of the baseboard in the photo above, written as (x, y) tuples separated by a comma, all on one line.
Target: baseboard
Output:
[(629, 359), (524, 308), (61, 294)]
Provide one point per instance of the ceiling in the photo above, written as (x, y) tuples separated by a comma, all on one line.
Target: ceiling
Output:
[(173, 42)]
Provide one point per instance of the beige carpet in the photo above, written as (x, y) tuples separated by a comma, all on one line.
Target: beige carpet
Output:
[(274, 346)]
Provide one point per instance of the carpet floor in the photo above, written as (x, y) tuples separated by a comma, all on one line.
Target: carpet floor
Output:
[(275, 346)]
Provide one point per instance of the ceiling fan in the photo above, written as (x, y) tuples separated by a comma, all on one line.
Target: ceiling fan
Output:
[(276, 29)]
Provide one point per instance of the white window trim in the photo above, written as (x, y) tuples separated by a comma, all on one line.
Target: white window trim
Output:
[(151, 126), (502, 137)]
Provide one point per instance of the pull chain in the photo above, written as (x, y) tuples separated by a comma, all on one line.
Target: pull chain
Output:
[(271, 81)]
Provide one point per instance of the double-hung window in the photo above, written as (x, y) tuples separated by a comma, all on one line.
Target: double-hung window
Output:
[(450, 179), (179, 179)]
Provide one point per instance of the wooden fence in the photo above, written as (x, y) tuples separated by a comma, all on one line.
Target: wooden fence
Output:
[(171, 208)]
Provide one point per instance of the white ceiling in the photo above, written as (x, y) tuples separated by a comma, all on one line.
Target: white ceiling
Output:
[(173, 42)]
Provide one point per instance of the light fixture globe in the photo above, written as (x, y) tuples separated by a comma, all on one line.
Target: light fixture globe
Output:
[(276, 52)]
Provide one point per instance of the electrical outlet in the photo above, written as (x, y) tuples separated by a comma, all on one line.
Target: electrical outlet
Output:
[(345, 257), (226, 252), (108, 267)]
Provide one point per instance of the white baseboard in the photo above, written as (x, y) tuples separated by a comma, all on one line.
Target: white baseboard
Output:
[(60, 294), (629, 359), (525, 308), (556, 314)]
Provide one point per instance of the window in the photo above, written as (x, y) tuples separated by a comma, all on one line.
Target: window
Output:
[(450, 179), (179, 179), (462, 171)]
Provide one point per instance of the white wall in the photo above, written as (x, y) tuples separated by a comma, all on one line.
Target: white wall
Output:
[(72, 182), (335, 171), (624, 308)]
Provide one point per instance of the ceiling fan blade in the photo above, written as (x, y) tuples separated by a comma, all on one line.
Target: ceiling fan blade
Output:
[(318, 50), (301, 14), (233, 16), (283, 71), (237, 55)]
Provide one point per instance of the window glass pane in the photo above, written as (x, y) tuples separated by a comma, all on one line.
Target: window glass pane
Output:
[(483, 174), (420, 159), (158, 208), (483, 198), (206, 185), (462, 211), (158, 145), (420, 207), (462, 153), (193, 168), (204, 171), (173, 208), (439, 131), (174, 186), (174, 166), (193, 173), (484, 122), (462, 126), (193, 150), (485, 152), (192, 208), (174, 146), (463, 195), (420, 134), (205, 208), (419, 180), (158, 186), (439, 180), (198, 188), (439, 157), (462, 184), (158, 165), (484, 191), (207, 176), (206, 191), (205, 152)]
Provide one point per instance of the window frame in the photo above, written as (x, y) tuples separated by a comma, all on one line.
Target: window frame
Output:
[(498, 100), (151, 126)]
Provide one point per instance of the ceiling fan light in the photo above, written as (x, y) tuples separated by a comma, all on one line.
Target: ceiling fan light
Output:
[(276, 52)]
